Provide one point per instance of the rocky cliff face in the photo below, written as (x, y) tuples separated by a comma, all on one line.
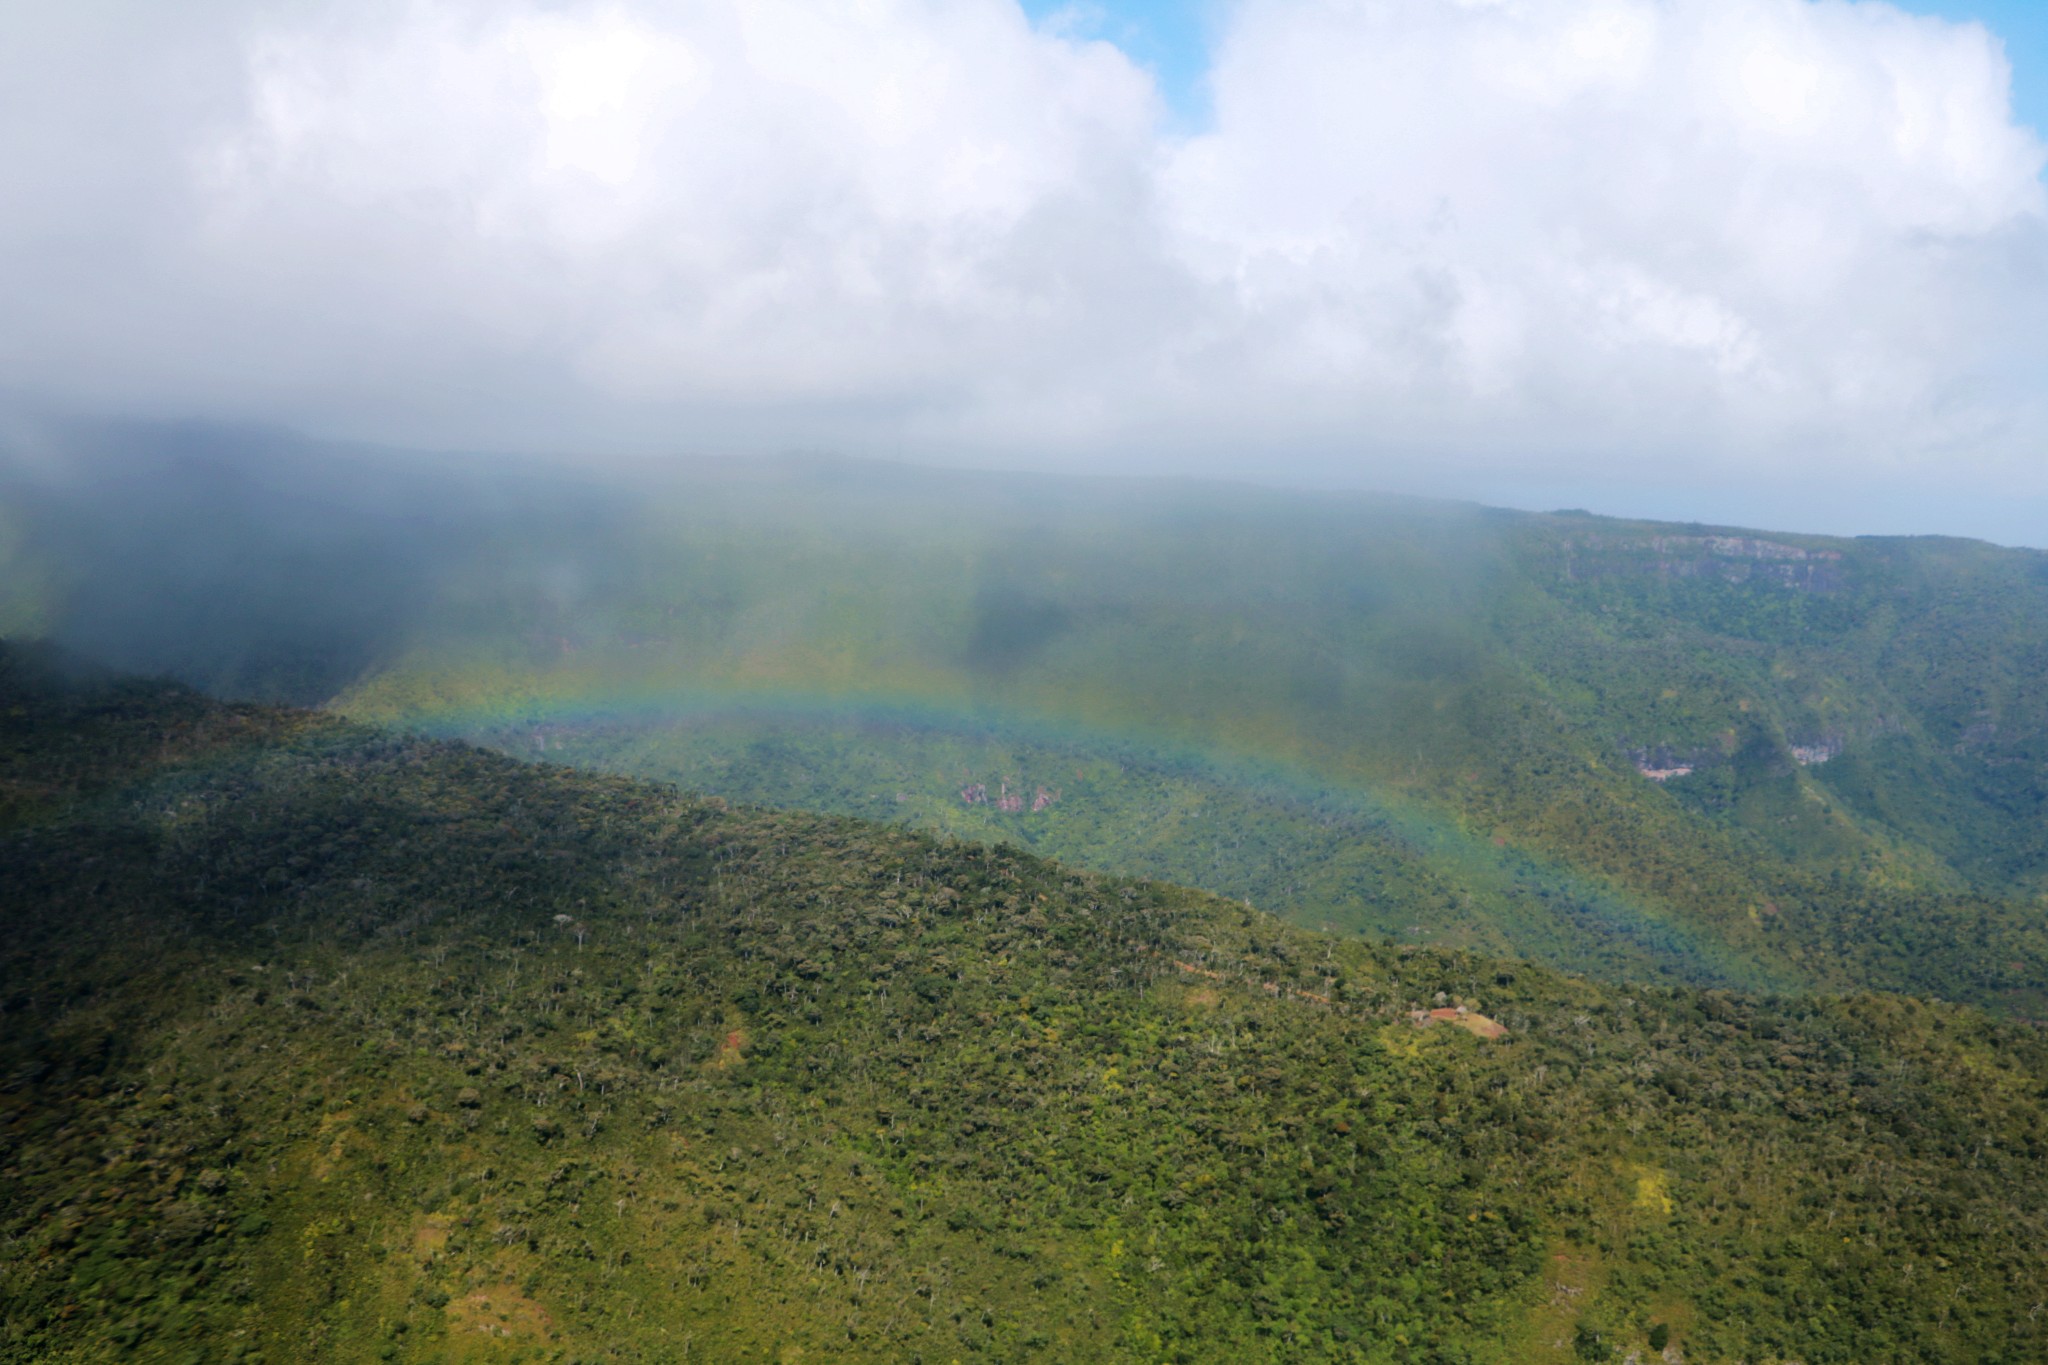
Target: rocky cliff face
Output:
[(1731, 559)]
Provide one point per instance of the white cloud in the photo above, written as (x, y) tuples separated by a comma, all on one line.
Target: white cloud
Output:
[(1632, 240), (1762, 219)]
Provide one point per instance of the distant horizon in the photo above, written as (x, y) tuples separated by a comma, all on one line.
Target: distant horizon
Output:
[(1671, 507)]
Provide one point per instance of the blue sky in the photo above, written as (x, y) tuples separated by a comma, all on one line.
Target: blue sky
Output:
[(2022, 23), (1170, 38)]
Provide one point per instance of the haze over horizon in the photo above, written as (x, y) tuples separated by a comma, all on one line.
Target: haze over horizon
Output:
[(1768, 262)]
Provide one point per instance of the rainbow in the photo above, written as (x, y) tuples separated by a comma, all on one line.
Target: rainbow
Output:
[(558, 716)]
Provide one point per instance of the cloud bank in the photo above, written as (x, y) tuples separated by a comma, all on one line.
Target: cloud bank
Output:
[(1473, 245)]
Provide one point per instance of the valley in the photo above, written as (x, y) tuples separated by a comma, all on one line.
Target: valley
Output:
[(1643, 752), (812, 912)]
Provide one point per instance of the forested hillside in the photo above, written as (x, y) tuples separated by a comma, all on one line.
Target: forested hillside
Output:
[(324, 1043), (1645, 752), (1650, 752)]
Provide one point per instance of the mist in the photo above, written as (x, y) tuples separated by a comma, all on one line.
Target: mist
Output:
[(265, 565), (257, 563)]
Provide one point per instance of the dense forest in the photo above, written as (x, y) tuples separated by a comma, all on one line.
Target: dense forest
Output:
[(323, 1042), (1648, 752)]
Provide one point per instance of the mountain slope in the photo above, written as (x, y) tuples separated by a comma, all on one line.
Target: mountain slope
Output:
[(328, 1044), (1406, 719)]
